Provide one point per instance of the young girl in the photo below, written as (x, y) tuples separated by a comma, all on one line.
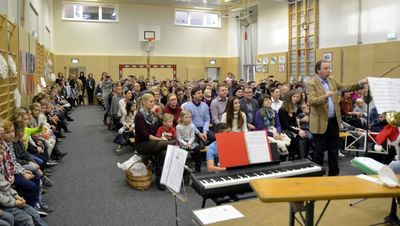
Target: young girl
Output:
[(167, 130), (303, 120), (185, 133), (127, 130), (233, 116)]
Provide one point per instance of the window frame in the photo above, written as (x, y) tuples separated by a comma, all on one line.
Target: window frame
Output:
[(205, 13), (100, 12)]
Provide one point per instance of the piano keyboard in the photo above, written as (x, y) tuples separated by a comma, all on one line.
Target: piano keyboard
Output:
[(245, 176)]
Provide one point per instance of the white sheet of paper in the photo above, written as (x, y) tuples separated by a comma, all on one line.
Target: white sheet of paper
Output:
[(174, 165), (216, 214), (370, 179), (386, 93), (257, 146), (167, 165)]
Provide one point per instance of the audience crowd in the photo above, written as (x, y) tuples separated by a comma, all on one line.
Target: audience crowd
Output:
[(186, 113)]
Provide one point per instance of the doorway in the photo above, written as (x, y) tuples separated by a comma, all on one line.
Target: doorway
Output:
[(76, 71), (212, 73)]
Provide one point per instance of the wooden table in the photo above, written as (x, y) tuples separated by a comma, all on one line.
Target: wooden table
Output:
[(311, 189)]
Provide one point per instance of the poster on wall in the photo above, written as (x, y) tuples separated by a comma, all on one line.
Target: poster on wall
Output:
[(273, 60), (281, 68), (265, 69), (258, 61), (327, 56), (23, 61), (282, 59), (28, 84), (28, 62), (265, 60), (33, 64), (22, 83), (33, 85), (258, 69)]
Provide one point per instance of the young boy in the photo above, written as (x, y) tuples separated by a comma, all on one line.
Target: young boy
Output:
[(212, 150), (15, 174), (12, 203), (167, 130)]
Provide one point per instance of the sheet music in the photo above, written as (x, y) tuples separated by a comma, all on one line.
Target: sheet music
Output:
[(257, 147), (386, 93), (216, 214), (174, 165)]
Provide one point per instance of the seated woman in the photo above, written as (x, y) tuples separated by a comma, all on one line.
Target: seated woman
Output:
[(173, 108), (267, 118), (146, 125), (298, 147), (346, 108)]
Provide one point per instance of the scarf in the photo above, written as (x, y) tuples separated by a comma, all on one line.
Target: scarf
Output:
[(268, 116), (149, 118)]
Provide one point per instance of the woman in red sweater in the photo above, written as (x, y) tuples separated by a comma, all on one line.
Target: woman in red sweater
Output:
[(173, 108)]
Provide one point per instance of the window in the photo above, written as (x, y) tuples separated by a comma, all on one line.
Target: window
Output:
[(197, 18), (90, 12)]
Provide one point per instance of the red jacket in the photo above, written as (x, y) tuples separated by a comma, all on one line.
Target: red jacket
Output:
[(169, 134)]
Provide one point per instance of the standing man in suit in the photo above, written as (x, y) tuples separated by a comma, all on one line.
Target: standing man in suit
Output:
[(249, 106), (323, 94)]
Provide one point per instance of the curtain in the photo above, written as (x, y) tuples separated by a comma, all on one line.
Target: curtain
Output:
[(247, 42)]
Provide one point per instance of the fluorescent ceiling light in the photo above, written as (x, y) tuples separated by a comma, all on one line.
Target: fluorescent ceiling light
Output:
[(203, 8), (236, 9)]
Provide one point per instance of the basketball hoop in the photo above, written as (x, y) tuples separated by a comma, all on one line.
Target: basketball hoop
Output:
[(150, 43)]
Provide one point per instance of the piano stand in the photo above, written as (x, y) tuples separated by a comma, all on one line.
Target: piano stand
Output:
[(308, 207), (228, 198), (392, 218)]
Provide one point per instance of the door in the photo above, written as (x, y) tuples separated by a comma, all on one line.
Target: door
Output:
[(76, 70), (212, 73)]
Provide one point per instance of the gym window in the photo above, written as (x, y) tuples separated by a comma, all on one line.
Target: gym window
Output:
[(197, 18), (90, 12)]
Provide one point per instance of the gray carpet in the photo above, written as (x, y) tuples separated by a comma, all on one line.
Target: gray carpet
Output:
[(90, 190)]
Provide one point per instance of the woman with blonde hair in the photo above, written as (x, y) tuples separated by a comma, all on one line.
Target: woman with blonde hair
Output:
[(146, 125)]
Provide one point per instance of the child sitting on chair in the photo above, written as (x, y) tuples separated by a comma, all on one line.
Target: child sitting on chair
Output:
[(167, 130), (212, 150), (185, 133), (14, 204)]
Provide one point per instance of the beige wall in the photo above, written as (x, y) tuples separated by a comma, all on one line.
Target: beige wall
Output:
[(121, 38)]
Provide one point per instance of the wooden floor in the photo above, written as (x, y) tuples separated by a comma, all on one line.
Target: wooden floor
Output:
[(339, 212)]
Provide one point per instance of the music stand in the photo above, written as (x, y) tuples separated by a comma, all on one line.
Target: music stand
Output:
[(172, 175), (177, 196)]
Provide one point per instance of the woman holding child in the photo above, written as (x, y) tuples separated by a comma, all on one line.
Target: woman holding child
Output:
[(147, 143), (298, 147)]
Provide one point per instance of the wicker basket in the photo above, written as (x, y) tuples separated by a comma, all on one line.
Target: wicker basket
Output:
[(139, 182)]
